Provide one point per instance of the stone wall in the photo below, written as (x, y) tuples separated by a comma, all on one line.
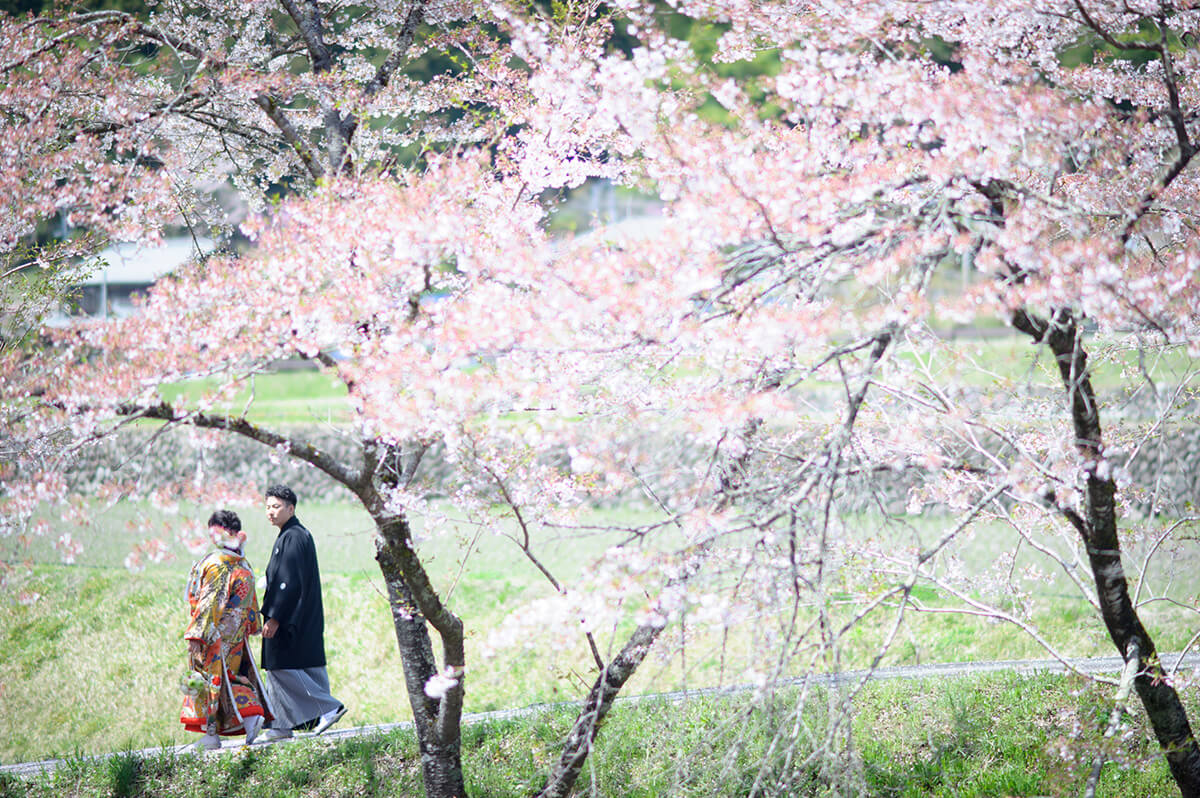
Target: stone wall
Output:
[(1164, 476)]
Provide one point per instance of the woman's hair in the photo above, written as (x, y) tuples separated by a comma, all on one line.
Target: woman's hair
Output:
[(226, 519)]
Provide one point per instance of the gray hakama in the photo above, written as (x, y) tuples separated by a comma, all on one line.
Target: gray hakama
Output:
[(299, 696)]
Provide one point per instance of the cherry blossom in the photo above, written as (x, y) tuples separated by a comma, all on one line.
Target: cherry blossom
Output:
[(766, 364)]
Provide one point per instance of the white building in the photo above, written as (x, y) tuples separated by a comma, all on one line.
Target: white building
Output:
[(126, 270)]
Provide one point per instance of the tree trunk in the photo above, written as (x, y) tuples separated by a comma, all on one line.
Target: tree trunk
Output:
[(587, 724), (1098, 527), (437, 721)]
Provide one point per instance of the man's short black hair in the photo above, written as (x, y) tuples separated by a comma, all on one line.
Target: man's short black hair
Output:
[(283, 493), (226, 519)]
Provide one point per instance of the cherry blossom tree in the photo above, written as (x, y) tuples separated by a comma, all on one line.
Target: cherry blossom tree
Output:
[(396, 114), (1042, 150), (768, 367)]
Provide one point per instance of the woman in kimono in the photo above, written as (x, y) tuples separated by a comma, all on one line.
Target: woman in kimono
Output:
[(227, 698)]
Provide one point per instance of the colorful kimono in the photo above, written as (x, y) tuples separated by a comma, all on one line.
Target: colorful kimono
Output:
[(224, 613)]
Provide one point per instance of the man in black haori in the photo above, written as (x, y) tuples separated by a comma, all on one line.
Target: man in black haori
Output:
[(293, 651)]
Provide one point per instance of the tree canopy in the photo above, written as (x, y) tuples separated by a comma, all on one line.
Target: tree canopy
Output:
[(763, 362)]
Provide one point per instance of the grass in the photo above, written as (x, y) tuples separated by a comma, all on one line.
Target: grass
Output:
[(1001, 363), (980, 736), (109, 639), (1010, 361), (283, 397)]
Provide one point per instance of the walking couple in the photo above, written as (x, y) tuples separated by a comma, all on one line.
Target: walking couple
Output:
[(225, 694)]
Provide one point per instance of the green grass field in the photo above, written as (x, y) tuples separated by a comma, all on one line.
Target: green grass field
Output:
[(92, 664), (301, 396), (1000, 362), (997, 735), (90, 654)]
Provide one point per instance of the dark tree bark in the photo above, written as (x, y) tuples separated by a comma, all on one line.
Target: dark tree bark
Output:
[(414, 602), (1098, 528), (416, 605), (612, 678), (437, 726)]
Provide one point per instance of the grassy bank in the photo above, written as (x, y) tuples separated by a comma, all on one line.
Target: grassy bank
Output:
[(991, 735), (90, 656), (992, 362)]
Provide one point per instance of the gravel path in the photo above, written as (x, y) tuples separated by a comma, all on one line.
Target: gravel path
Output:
[(1091, 666)]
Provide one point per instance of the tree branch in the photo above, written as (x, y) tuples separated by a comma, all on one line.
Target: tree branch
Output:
[(1098, 527), (310, 26), (1174, 112), (1108, 38), (299, 449), (527, 550), (595, 708), (394, 60), (298, 144), (395, 547)]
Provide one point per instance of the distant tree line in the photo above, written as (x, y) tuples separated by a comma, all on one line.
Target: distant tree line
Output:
[(19, 7)]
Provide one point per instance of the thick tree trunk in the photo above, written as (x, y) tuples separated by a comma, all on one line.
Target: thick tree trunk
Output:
[(1098, 527), (437, 720), (587, 724), (414, 602)]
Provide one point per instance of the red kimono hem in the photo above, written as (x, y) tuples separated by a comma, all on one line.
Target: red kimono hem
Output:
[(199, 726)]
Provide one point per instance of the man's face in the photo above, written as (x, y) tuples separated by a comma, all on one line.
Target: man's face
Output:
[(278, 511)]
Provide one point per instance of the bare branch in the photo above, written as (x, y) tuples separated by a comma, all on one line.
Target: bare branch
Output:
[(1108, 38), (311, 30), (291, 445), (396, 58), (301, 147), (390, 64), (1118, 712), (527, 550)]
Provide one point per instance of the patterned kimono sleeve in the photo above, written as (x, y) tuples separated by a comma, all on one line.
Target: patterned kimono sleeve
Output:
[(206, 611)]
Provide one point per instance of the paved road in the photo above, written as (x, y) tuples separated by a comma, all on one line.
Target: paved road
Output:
[(1091, 666)]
